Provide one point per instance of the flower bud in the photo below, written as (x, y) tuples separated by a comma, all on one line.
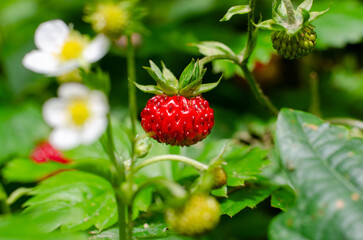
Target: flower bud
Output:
[(108, 18), (142, 145), (219, 176), (198, 215)]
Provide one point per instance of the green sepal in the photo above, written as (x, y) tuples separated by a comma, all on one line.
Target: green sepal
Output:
[(306, 5), (211, 48), (241, 9), (149, 89), (195, 84), (169, 76), (305, 15), (186, 75), (207, 87), (316, 15), (269, 25), (157, 75)]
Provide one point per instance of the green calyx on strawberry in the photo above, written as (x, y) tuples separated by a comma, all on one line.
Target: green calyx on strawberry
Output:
[(293, 34), (189, 84), (177, 115)]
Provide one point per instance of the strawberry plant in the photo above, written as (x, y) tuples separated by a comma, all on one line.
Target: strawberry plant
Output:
[(90, 149)]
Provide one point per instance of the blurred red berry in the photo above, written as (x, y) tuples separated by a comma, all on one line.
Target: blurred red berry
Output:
[(45, 152)]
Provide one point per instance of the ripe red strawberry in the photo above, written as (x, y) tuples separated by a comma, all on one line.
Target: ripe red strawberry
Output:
[(45, 152), (178, 114), (177, 120)]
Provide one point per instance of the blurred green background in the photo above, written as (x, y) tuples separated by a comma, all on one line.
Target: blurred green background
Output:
[(173, 25)]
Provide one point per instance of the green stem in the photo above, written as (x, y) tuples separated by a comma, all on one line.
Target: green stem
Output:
[(133, 115), (175, 189), (119, 179), (314, 93), (4, 207), (131, 79), (208, 59), (242, 62), (121, 210), (257, 91), (171, 157), (290, 12)]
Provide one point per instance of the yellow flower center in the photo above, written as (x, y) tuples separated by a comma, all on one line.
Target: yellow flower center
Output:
[(79, 111), (73, 47), (109, 19)]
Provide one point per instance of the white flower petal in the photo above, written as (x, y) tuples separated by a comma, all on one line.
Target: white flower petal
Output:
[(51, 35), (71, 90), (40, 62), (46, 63), (97, 49), (93, 129), (54, 112), (98, 103), (65, 138), (64, 67)]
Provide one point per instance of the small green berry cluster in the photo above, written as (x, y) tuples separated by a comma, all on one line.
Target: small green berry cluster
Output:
[(294, 46)]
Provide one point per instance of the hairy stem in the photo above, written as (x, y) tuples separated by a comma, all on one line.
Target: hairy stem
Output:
[(242, 61), (171, 157), (208, 59), (290, 12), (119, 178), (133, 115), (4, 207), (174, 189), (257, 91)]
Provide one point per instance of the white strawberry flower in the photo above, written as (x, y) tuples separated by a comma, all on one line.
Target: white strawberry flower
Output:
[(78, 116), (62, 49)]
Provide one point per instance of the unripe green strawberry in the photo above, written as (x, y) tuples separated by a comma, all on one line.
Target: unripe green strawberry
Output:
[(294, 46), (142, 145), (293, 34), (219, 177), (199, 215)]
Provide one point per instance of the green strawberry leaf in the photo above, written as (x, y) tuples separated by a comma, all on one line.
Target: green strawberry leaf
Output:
[(169, 76), (210, 48), (248, 196), (283, 198), (306, 5), (241, 9), (345, 18), (324, 166), (149, 89), (186, 75), (25, 170), (98, 80), (21, 127), (206, 87), (22, 227), (74, 201), (243, 164), (220, 192), (145, 231)]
